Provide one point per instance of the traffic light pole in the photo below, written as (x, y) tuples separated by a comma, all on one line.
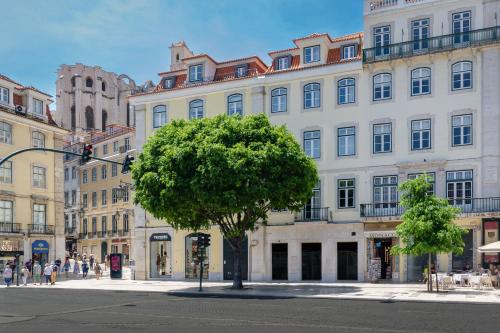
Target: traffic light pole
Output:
[(202, 255), (17, 152)]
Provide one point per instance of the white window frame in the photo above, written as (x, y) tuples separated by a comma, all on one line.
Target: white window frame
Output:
[(383, 84), (279, 100), (159, 116), (4, 95), (235, 104), (6, 212), (385, 191), (104, 198), (37, 107), (38, 139), (39, 176), (5, 132), (312, 144), (420, 33), (421, 81), (346, 91), (283, 62), (346, 137), (196, 109), (312, 54), (420, 128), (6, 173), (39, 214), (460, 123), (349, 52), (382, 40), (312, 95), (459, 73), (104, 171), (380, 130), (196, 73)]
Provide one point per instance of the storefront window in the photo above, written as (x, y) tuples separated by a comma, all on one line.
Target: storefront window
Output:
[(460, 261), (193, 261), (161, 255)]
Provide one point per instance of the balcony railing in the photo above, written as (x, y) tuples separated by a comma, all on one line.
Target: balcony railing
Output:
[(82, 235), (431, 45), (69, 230), (10, 228), (41, 229), (466, 206), (312, 214)]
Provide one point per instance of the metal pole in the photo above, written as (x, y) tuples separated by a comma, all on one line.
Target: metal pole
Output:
[(17, 152), (201, 268), (17, 270)]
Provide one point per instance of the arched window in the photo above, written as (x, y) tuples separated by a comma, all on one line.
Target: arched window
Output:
[(89, 118), (461, 75), (104, 119), (73, 118), (278, 100), (235, 104), (89, 83), (420, 81), (312, 96), (159, 116), (196, 109), (38, 139), (177, 57), (103, 86), (73, 81), (382, 86), (346, 91), (5, 133)]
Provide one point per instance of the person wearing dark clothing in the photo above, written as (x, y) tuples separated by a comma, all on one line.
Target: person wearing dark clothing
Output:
[(85, 268)]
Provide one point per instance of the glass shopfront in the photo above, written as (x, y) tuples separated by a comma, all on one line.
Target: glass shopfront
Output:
[(160, 255), (193, 261)]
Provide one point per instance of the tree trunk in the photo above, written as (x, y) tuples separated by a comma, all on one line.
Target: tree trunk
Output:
[(429, 273), (437, 281), (237, 275)]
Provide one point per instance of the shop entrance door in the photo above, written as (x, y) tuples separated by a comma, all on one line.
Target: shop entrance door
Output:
[(383, 251), (229, 260), (279, 261), (347, 261), (311, 261), (466, 258), (104, 251)]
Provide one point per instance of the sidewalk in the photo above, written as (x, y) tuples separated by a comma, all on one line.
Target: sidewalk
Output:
[(356, 291)]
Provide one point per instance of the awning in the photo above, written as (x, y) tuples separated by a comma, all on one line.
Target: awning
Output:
[(492, 247)]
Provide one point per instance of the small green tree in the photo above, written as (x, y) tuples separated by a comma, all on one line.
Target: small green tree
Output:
[(226, 171), (427, 226)]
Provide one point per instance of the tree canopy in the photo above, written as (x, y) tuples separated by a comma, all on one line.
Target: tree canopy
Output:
[(427, 225), (227, 170)]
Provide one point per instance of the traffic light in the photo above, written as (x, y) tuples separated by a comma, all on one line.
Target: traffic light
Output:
[(127, 163), (206, 241), (87, 153), (200, 241)]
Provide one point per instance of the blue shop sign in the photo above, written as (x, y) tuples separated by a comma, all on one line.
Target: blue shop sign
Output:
[(40, 246)]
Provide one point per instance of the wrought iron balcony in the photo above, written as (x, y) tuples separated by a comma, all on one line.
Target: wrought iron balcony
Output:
[(432, 45), (40, 229), (467, 207), (82, 235), (69, 230), (312, 214), (10, 228)]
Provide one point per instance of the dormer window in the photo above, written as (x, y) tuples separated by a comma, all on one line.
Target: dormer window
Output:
[(283, 63), (4, 95), (196, 73), (241, 70), (349, 52), (37, 107), (311, 54), (168, 83)]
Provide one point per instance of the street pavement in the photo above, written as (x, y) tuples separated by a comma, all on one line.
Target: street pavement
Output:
[(347, 291), (46, 309)]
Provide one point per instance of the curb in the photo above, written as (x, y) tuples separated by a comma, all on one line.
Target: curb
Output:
[(205, 294)]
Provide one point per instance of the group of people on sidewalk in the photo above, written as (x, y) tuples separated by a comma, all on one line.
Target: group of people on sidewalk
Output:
[(50, 272)]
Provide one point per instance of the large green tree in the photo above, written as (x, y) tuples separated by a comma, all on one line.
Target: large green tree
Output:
[(427, 226), (227, 171)]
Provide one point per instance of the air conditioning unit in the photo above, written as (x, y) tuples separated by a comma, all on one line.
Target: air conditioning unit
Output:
[(21, 109), (123, 149)]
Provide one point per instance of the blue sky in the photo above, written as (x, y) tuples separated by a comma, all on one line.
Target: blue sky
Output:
[(132, 36)]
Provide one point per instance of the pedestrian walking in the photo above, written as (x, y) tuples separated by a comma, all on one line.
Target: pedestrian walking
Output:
[(37, 273), (53, 275), (29, 265), (7, 275), (85, 268), (97, 270), (47, 272), (91, 262), (76, 268), (58, 263), (25, 274), (66, 267)]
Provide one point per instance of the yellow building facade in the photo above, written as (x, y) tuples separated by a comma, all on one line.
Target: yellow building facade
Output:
[(31, 184), (106, 213)]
